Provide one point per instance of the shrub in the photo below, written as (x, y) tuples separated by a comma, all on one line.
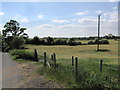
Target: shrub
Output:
[(91, 42), (17, 42), (49, 41), (42, 42), (22, 54), (36, 40), (28, 41), (96, 41), (78, 43), (60, 42), (100, 42), (104, 42), (73, 43)]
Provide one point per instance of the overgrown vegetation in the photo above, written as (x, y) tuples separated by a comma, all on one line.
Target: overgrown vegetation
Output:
[(88, 76), (22, 54)]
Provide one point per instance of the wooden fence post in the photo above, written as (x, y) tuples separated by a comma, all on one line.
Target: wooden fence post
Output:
[(54, 58), (35, 55), (51, 56), (72, 60), (101, 62), (76, 68), (45, 60)]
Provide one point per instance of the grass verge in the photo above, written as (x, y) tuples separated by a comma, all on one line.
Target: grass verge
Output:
[(20, 54), (88, 76)]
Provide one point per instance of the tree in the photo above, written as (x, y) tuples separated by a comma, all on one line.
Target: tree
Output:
[(17, 42), (71, 41), (13, 27), (36, 40), (60, 42), (49, 41), (11, 32)]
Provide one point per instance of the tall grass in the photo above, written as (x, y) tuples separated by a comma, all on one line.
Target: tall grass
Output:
[(22, 54), (89, 75)]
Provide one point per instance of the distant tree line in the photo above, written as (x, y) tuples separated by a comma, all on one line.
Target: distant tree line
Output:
[(52, 41), (69, 41), (100, 42), (95, 37)]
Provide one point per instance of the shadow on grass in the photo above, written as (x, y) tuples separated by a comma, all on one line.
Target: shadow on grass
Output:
[(24, 48), (102, 50)]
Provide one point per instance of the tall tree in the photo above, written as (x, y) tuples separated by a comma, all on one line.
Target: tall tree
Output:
[(49, 40), (12, 28), (11, 31)]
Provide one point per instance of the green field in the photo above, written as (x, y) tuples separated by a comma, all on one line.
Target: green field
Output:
[(89, 60), (81, 51)]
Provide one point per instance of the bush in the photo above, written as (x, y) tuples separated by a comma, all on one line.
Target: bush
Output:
[(104, 42), (91, 42), (42, 42), (28, 41), (60, 42), (22, 54), (35, 40), (100, 42), (78, 43), (49, 41), (73, 43), (17, 42)]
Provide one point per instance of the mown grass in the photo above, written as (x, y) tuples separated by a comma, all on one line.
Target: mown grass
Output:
[(81, 51)]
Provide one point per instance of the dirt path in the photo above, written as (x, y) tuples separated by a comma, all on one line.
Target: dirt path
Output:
[(33, 80), (23, 75)]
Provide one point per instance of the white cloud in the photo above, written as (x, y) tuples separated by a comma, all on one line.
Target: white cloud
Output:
[(45, 26), (60, 21), (81, 13), (68, 30), (111, 15), (113, 0), (24, 20), (99, 11), (94, 21), (21, 19), (87, 20), (112, 21), (87, 27), (2, 13), (114, 7), (17, 17), (40, 16), (69, 26)]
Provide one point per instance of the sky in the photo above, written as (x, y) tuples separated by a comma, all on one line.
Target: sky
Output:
[(62, 19)]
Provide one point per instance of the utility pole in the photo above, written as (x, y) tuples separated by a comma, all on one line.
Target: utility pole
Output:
[(98, 31)]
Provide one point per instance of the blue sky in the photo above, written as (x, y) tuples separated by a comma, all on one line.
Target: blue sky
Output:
[(62, 19)]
